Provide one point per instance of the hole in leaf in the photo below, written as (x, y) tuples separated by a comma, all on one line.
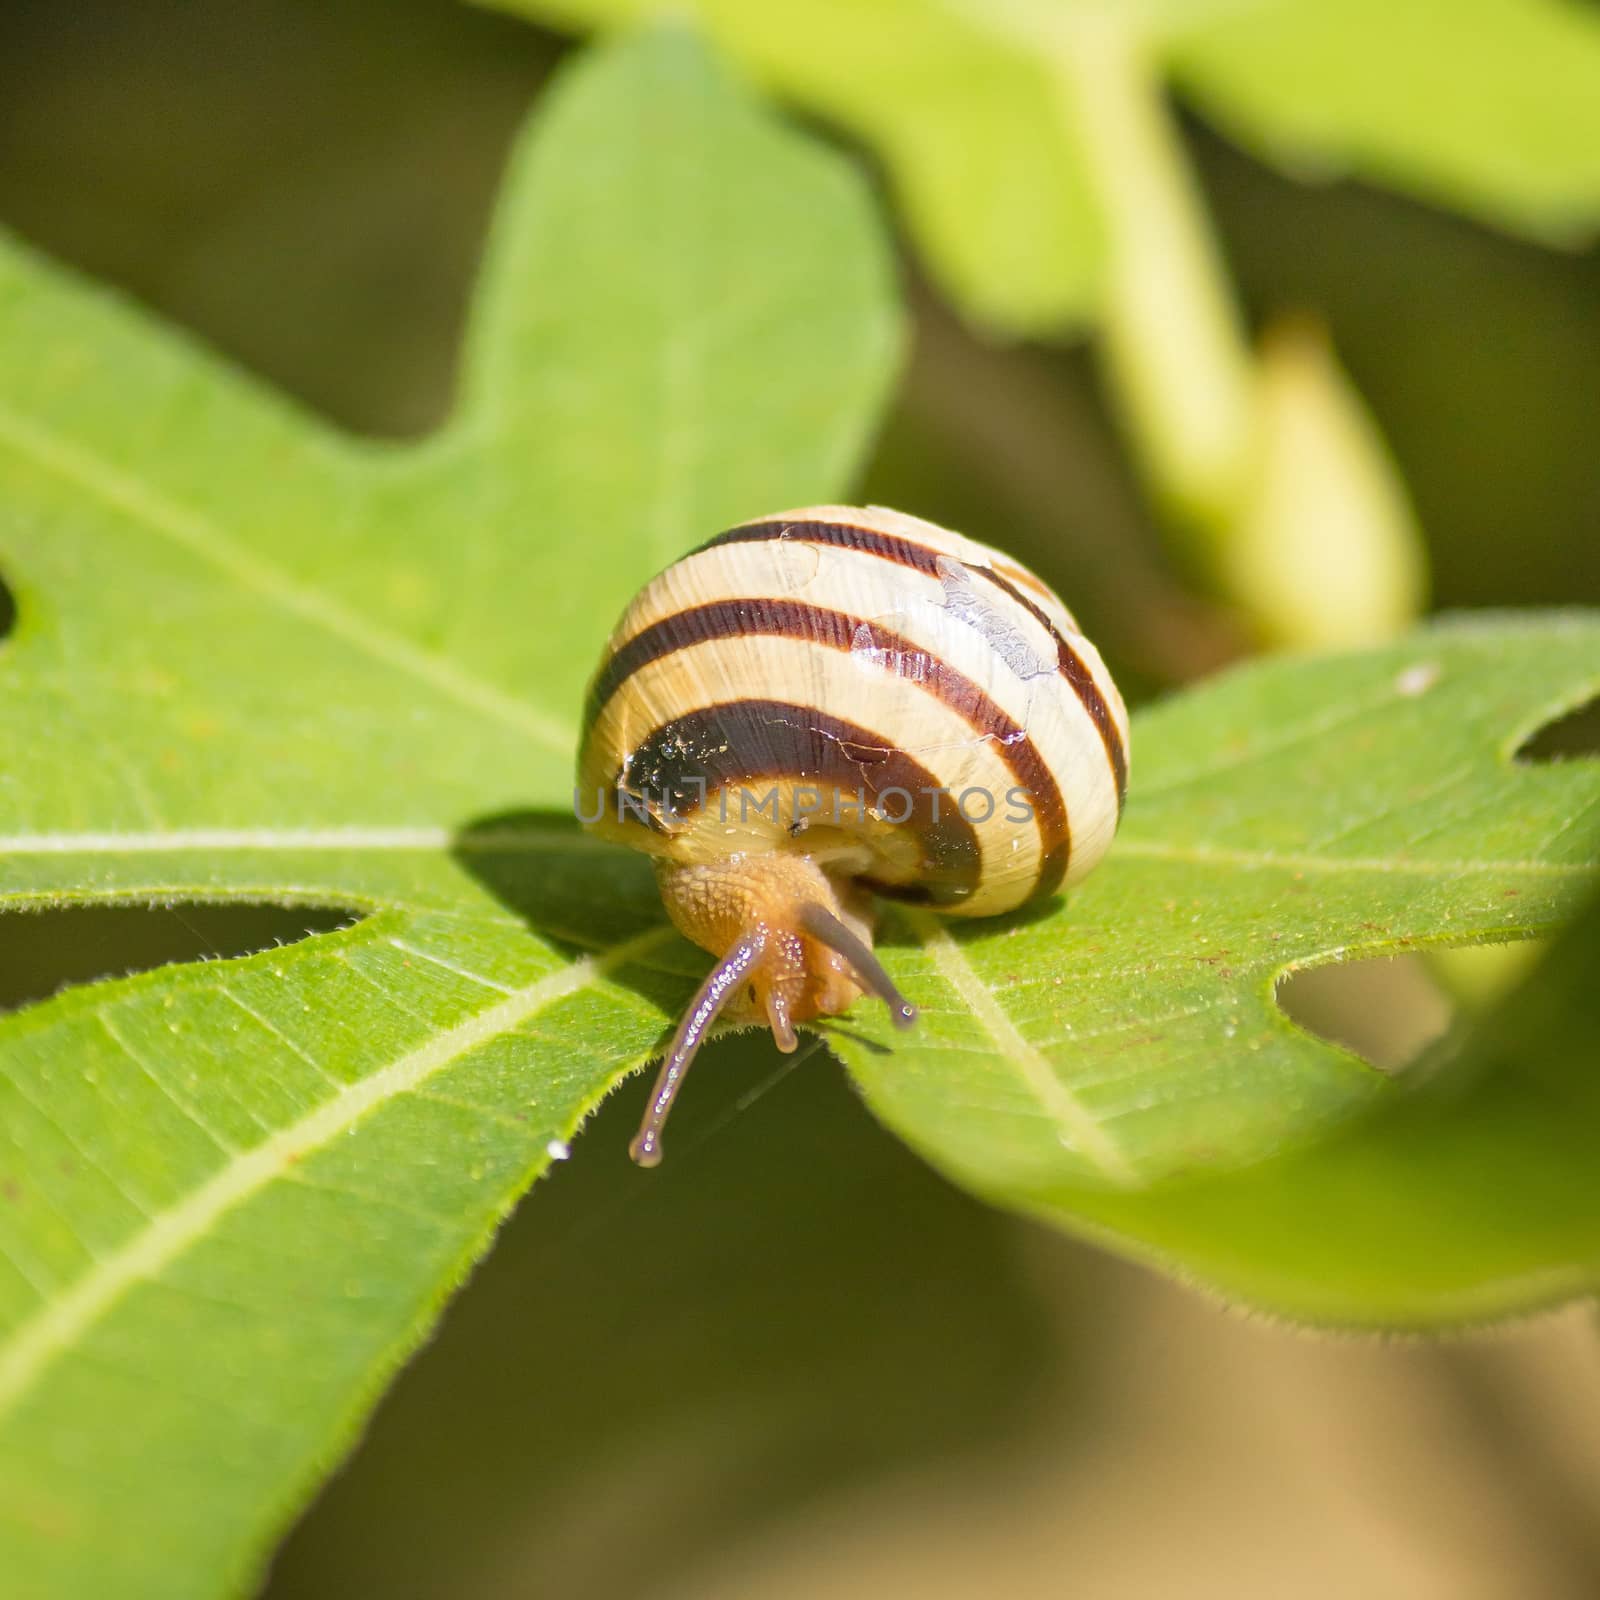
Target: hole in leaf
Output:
[(44, 952), (1568, 738), (8, 610), (1387, 1009)]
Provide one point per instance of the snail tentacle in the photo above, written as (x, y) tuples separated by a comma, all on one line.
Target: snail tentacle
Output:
[(780, 1020), (827, 929), (725, 980)]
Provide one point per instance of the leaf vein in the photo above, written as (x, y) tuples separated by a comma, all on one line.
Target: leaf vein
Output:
[(450, 966), (203, 539), (1295, 861), (143, 1207), (38, 1342), (1057, 1101), (166, 1090), (278, 1033)]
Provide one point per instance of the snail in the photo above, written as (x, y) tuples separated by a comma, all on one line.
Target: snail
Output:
[(825, 706)]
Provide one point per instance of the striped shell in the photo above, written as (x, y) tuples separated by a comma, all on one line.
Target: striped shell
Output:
[(830, 704), (874, 656)]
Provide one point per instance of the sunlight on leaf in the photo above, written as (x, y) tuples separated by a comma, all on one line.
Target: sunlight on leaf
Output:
[(1468, 1195), (262, 661), (1290, 814)]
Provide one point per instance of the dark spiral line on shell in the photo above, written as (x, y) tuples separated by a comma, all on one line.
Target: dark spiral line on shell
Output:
[(901, 658), (924, 558), (718, 747)]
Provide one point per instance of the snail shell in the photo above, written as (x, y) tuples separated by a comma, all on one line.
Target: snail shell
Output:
[(831, 704)]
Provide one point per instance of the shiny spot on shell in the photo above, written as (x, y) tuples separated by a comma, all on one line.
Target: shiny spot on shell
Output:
[(964, 600)]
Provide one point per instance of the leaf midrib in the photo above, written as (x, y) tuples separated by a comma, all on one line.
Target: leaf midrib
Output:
[(38, 1341), (203, 539), (404, 839), (1088, 1136), (382, 840)]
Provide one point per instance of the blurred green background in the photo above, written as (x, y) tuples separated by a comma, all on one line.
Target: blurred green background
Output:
[(794, 1360)]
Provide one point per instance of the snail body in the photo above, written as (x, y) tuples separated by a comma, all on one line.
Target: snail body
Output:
[(829, 705)]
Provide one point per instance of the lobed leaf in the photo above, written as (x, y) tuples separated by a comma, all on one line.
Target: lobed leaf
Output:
[(1469, 1194), (1091, 1065), (255, 660)]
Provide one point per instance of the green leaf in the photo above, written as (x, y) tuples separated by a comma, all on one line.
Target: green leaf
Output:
[(1469, 1195), (1085, 1064), (255, 660), (965, 124), (1492, 107)]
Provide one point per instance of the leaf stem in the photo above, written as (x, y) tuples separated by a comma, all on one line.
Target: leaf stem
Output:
[(1180, 370), (1268, 468)]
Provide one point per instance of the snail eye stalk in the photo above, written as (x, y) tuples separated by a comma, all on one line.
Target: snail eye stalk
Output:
[(827, 929), (724, 982)]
